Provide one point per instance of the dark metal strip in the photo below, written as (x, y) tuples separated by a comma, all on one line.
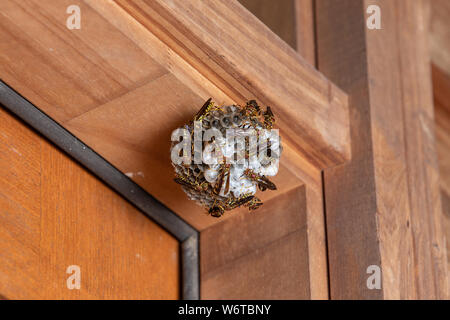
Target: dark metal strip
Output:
[(190, 269), (115, 179)]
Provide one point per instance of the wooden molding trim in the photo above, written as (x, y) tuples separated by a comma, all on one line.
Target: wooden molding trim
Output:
[(305, 29), (216, 37), (115, 179), (439, 34)]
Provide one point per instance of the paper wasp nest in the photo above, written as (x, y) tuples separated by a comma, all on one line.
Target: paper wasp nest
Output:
[(225, 170)]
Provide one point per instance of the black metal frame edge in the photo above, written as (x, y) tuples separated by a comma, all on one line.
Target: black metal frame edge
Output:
[(116, 180)]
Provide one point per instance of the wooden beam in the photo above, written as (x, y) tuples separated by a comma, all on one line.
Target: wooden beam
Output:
[(440, 34), (305, 33), (384, 207), (446, 210), (441, 90), (291, 20), (240, 255), (244, 59), (305, 29), (279, 16)]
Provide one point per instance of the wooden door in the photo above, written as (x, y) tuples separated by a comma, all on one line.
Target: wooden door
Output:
[(54, 215)]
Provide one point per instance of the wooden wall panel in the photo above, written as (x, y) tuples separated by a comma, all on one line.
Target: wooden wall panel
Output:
[(441, 90), (262, 256), (446, 211), (73, 72), (384, 208), (441, 87), (350, 198), (291, 20), (279, 16), (54, 214), (20, 205), (306, 29), (440, 34)]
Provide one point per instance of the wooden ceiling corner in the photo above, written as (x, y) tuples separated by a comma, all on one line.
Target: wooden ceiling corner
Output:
[(244, 59), (136, 70)]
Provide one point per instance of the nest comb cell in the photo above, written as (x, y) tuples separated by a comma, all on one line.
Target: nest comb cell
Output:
[(225, 154)]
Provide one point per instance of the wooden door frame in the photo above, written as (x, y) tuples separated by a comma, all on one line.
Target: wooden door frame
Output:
[(116, 180)]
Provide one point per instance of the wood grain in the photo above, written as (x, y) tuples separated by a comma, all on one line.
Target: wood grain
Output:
[(124, 95), (305, 34), (349, 189), (147, 145), (275, 75), (20, 204), (291, 20), (441, 89), (241, 256), (420, 154), (440, 34), (305, 30), (66, 217), (137, 70), (446, 210), (279, 16), (384, 207), (67, 73)]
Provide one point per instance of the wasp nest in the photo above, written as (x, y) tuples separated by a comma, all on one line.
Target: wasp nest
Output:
[(230, 164)]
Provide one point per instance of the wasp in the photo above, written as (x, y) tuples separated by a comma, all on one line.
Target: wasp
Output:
[(269, 118), (253, 204), (224, 171), (216, 211), (252, 109), (262, 181), (200, 187), (237, 202), (204, 111)]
